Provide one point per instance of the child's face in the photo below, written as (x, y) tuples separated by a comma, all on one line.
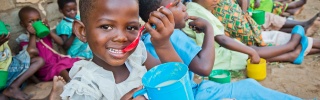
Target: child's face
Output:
[(29, 18), (70, 10), (208, 4), (111, 27), (179, 12)]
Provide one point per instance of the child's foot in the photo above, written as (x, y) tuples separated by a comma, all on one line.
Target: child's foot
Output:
[(15, 93), (58, 83), (313, 25)]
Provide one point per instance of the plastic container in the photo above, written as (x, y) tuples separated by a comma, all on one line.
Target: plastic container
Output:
[(4, 28), (3, 79), (257, 71), (220, 76), (41, 29), (168, 81), (258, 16)]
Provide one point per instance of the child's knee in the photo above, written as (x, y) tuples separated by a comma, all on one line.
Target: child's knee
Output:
[(37, 61)]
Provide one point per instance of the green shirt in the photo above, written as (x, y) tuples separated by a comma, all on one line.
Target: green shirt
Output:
[(224, 58)]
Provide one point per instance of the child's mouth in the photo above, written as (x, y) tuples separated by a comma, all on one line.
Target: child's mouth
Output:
[(116, 51)]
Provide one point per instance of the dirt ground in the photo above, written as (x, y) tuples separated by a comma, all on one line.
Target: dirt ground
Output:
[(299, 80)]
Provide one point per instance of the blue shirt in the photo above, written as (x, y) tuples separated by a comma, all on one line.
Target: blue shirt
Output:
[(77, 48)]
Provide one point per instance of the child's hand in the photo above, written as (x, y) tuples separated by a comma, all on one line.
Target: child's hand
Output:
[(31, 30), (255, 58), (256, 3), (164, 21), (4, 39), (129, 95), (45, 22), (198, 24)]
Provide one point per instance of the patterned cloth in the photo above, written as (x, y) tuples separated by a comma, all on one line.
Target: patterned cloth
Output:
[(238, 24)]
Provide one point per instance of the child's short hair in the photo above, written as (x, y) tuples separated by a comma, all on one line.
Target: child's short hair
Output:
[(61, 3), (26, 9), (85, 7), (146, 7)]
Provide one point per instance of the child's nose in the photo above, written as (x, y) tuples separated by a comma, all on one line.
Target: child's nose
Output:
[(120, 37)]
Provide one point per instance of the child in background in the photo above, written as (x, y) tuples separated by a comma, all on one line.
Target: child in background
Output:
[(272, 6), (55, 64), (20, 68), (71, 43), (206, 90), (109, 26)]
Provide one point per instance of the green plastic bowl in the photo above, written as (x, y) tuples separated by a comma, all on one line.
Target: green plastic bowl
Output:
[(220, 76), (259, 16), (3, 79)]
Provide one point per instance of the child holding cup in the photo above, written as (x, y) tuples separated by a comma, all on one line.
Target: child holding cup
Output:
[(15, 70), (55, 63)]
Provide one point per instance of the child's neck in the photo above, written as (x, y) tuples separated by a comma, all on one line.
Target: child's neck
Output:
[(120, 73)]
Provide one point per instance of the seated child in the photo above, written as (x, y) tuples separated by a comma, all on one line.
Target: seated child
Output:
[(109, 26), (20, 67), (55, 64), (198, 6), (71, 43), (293, 8), (190, 53)]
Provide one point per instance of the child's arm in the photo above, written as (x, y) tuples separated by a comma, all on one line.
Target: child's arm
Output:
[(256, 3), (244, 4), (203, 62), (52, 34), (32, 49), (67, 42), (231, 44), (160, 37), (4, 39)]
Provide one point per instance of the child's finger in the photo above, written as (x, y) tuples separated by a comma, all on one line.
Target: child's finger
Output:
[(167, 13), (157, 22), (162, 17), (192, 17), (151, 30)]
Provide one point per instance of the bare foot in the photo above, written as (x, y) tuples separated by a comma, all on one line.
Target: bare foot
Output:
[(58, 83), (313, 25), (15, 93)]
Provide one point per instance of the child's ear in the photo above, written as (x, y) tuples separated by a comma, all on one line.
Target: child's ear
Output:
[(21, 24), (79, 30)]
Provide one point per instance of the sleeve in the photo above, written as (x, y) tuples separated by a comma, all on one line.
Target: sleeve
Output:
[(63, 29), (183, 45)]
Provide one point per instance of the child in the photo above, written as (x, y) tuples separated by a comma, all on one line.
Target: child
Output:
[(55, 64), (20, 67), (206, 90), (74, 47), (109, 26)]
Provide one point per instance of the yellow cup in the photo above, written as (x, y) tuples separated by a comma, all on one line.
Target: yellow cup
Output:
[(257, 71)]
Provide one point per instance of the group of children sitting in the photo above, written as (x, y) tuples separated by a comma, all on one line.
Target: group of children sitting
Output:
[(199, 34)]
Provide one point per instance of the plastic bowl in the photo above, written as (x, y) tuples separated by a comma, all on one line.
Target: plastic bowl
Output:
[(257, 71), (220, 76)]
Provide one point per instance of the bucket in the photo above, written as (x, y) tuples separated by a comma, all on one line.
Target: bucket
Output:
[(41, 29), (4, 28), (3, 79), (257, 71), (258, 16), (168, 81), (220, 76)]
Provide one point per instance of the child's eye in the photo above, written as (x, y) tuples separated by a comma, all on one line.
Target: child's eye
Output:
[(132, 28), (106, 27)]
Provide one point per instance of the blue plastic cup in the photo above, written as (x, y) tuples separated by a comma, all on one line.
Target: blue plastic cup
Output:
[(168, 81)]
